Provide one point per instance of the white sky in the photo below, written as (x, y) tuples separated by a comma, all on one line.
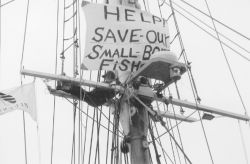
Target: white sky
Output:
[(211, 74)]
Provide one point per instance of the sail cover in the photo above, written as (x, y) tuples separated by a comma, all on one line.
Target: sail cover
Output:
[(121, 38)]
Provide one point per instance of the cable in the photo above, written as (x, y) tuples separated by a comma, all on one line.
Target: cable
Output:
[(0, 39), (172, 144), (98, 135), (108, 139), (85, 137), (192, 83), (144, 3), (216, 20), (228, 64), (210, 35), (24, 37), (178, 130), (92, 118), (153, 141), (157, 132), (25, 140), (163, 124), (176, 125), (70, 17), (73, 3), (243, 143), (54, 101), (73, 138), (211, 28), (63, 51), (91, 138), (2, 5), (21, 64), (78, 38), (171, 136)]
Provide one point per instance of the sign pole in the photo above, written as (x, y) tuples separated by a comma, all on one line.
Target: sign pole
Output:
[(136, 124)]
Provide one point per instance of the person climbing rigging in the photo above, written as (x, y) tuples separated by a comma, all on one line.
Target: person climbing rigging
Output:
[(95, 97)]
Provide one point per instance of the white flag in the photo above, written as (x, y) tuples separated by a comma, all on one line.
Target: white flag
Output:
[(21, 98)]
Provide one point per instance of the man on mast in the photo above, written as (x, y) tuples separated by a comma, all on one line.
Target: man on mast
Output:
[(95, 97)]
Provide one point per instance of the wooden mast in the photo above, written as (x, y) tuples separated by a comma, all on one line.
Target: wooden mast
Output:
[(138, 124)]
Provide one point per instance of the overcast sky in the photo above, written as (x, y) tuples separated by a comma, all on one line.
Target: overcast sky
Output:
[(212, 77)]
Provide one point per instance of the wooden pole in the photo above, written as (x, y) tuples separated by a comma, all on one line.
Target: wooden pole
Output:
[(138, 124)]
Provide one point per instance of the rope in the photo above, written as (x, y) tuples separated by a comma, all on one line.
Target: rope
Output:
[(195, 93), (243, 143), (163, 124), (176, 125), (86, 129), (179, 97), (153, 141), (77, 31), (91, 138), (70, 5), (149, 152), (191, 79), (229, 67), (174, 38), (2, 5), (73, 138), (98, 135), (62, 54), (79, 136), (177, 144), (182, 111), (25, 140), (227, 38), (164, 152), (116, 136), (228, 64), (156, 129), (72, 37), (172, 144), (75, 70), (24, 37), (225, 44), (21, 64), (170, 138), (54, 101), (53, 129), (144, 3), (216, 20), (182, 47), (93, 119), (108, 139), (0, 38), (168, 120), (159, 142), (70, 17), (113, 140), (162, 3)]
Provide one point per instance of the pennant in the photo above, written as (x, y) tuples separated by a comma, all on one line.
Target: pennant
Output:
[(20, 98)]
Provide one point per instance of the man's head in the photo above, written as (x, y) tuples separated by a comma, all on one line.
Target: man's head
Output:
[(109, 76)]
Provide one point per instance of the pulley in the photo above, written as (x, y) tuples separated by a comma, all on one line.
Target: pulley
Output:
[(124, 147)]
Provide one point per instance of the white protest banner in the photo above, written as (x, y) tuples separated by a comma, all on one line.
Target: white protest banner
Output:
[(20, 98), (121, 38)]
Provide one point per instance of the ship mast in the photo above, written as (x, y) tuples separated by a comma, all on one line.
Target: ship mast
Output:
[(135, 122), (138, 128)]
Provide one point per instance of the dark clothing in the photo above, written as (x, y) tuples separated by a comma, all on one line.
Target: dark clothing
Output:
[(96, 97)]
